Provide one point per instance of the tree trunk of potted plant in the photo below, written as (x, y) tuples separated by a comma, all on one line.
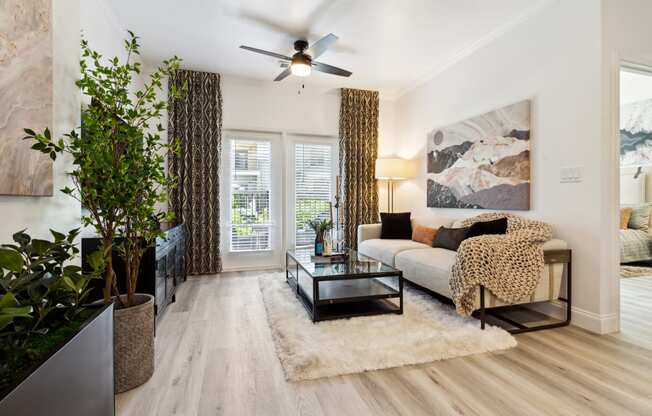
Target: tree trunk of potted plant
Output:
[(119, 178)]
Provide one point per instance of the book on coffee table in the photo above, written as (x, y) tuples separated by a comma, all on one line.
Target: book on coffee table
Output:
[(333, 258)]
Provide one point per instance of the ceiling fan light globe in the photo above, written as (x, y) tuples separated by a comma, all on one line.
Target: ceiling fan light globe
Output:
[(300, 69)]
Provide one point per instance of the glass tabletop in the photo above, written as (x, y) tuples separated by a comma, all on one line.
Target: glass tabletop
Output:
[(356, 264)]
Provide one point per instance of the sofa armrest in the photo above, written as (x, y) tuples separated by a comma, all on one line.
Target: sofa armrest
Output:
[(554, 244), (368, 231)]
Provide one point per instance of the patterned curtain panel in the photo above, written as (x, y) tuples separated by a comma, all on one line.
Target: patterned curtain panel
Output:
[(358, 152), (196, 121)]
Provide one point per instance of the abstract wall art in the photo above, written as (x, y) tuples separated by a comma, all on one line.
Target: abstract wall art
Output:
[(25, 95), (636, 133), (482, 162)]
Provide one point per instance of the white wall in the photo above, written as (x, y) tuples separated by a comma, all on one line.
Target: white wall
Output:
[(276, 106), (101, 28), (554, 59), (59, 212)]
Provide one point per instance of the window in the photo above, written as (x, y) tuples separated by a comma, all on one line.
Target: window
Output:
[(313, 175), (250, 194)]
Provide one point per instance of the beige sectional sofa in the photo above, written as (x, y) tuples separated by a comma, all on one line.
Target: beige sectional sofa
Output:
[(430, 267)]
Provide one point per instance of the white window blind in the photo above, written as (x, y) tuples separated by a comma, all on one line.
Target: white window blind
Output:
[(313, 187), (250, 194)]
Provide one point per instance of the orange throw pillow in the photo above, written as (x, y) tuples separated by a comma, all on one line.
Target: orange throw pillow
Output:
[(625, 214), (423, 234)]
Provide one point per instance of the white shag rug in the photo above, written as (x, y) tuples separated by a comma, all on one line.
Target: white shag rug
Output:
[(427, 331)]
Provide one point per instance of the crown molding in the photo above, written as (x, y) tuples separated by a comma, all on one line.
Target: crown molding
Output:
[(472, 48)]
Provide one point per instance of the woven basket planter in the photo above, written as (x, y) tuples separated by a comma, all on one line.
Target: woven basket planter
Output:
[(133, 343)]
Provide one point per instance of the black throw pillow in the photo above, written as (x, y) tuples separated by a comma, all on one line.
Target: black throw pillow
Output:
[(396, 226), (451, 238), (498, 226)]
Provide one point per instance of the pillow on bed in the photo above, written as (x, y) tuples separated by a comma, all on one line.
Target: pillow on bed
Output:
[(640, 218), (625, 215)]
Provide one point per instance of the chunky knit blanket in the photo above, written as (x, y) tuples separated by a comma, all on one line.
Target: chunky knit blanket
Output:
[(508, 265)]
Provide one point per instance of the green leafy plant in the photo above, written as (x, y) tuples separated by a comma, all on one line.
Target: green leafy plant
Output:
[(39, 289), (42, 299), (320, 226), (308, 209), (118, 157)]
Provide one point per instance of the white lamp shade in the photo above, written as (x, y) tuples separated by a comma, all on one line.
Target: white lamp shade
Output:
[(394, 169)]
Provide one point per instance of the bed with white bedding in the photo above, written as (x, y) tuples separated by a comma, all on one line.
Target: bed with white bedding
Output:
[(635, 245)]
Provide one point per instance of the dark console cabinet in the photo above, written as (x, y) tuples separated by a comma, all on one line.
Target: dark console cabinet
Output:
[(162, 269), (170, 266)]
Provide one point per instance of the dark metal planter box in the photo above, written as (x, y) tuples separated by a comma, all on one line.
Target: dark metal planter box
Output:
[(77, 379)]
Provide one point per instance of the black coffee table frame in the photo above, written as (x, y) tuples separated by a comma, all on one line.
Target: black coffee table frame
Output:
[(351, 294)]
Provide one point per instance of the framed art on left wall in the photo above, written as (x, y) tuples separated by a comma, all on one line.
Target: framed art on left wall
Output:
[(25, 95)]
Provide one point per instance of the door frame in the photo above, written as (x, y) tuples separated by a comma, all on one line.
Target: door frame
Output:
[(290, 141), (283, 170), (614, 131), (252, 260)]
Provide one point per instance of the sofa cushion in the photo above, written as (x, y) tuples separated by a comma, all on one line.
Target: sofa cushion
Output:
[(386, 250), (451, 238), (395, 225), (479, 228), (430, 268), (425, 235)]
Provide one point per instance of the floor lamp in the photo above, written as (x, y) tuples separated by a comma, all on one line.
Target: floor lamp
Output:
[(392, 170)]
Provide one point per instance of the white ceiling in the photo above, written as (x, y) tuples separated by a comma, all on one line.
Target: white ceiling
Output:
[(389, 45)]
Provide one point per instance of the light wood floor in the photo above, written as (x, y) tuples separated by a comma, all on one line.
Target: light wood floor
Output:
[(636, 310), (215, 356)]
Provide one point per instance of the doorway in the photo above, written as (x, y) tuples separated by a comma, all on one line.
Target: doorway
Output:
[(635, 231), (272, 185)]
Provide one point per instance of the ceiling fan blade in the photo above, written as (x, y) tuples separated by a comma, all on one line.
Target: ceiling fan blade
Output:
[(319, 47), (282, 75), (275, 55), (329, 69)]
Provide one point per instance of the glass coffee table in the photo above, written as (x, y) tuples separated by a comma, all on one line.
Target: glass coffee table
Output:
[(361, 286)]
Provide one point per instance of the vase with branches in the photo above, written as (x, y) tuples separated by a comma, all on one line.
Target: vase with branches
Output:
[(320, 227)]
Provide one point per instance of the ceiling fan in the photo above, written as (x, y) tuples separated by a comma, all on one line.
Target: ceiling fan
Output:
[(303, 61)]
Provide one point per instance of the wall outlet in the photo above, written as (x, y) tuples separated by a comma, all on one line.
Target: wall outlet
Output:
[(570, 175)]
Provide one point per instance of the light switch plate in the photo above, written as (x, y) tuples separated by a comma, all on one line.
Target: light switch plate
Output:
[(570, 174)]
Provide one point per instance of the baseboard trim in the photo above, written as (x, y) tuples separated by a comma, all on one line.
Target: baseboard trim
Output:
[(599, 324)]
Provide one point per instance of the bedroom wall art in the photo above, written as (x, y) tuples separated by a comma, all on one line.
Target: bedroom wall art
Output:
[(636, 133), (25, 95), (482, 162)]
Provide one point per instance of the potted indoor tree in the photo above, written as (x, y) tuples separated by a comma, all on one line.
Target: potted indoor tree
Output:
[(119, 178)]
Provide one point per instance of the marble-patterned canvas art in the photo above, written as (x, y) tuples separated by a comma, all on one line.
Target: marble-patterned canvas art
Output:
[(482, 162), (636, 133), (25, 95)]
